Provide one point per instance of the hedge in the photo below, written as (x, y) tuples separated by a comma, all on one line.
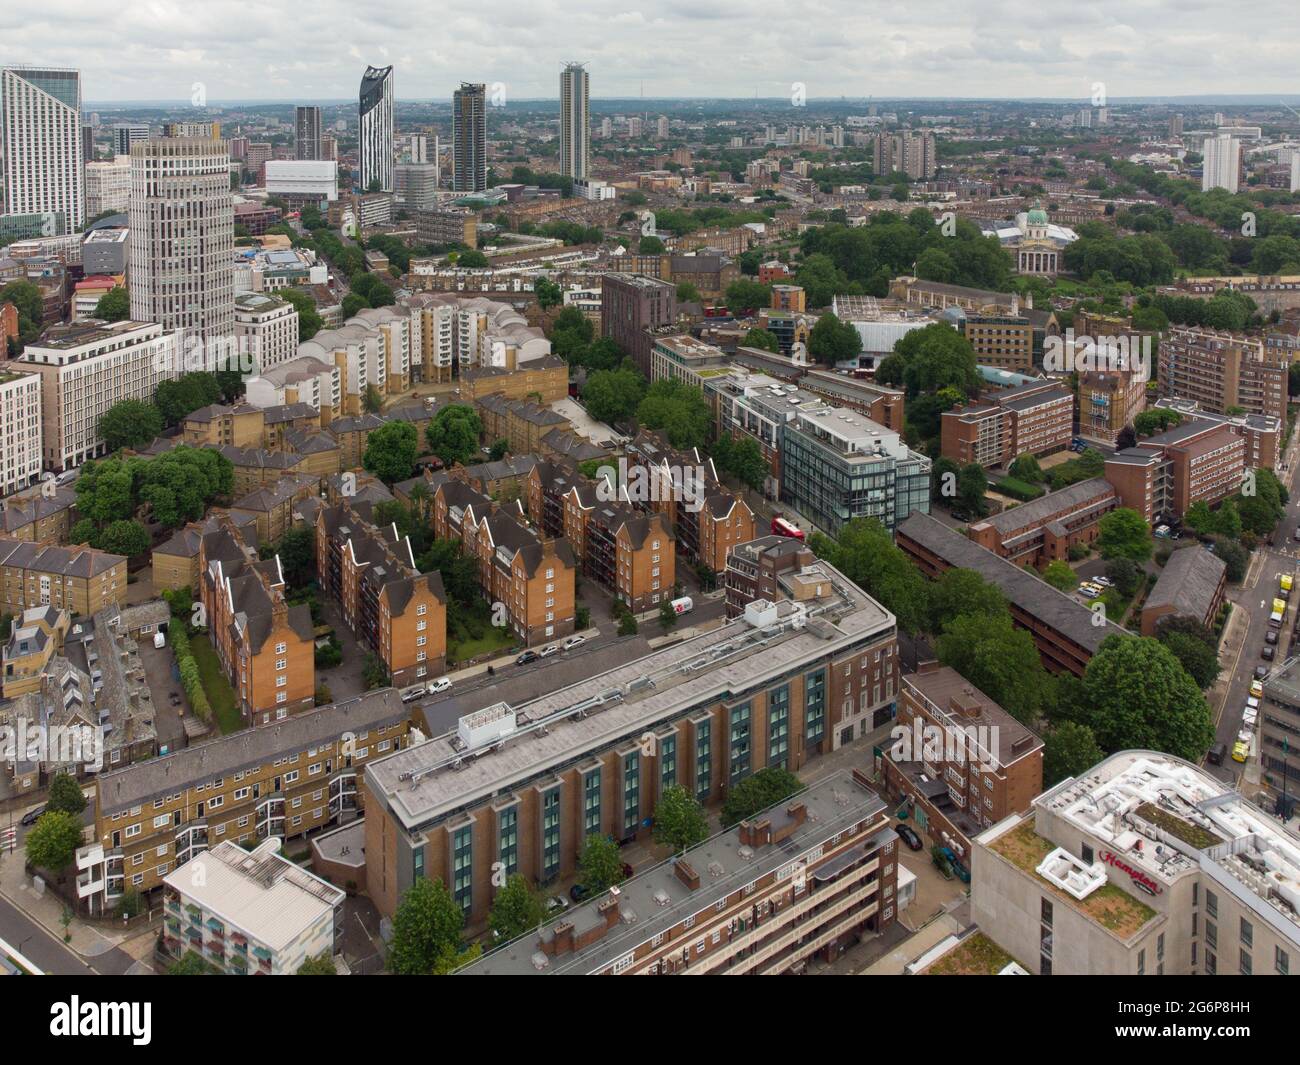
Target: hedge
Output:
[(1017, 489)]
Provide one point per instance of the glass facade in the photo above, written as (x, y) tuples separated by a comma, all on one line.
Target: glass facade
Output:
[(814, 699), (590, 803), (508, 840), (739, 750), (631, 792), (550, 833), (462, 867), (667, 762), (703, 759), (778, 727)]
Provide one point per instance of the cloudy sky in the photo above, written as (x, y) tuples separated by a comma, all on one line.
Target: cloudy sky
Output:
[(316, 50)]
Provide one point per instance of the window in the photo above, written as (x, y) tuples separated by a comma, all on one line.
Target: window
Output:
[(739, 753), (591, 802), (1211, 936), (778, 727), (462, 855), (667, 762), (631, 792), (550, 833), (1211, 904), (508, 840), (1281, 963), (1245, 963), (1247, 933), (280, 648), (814, 688), (703, 759)]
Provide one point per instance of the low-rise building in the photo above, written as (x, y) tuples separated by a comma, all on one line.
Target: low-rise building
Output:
[(1032, 419), (1044, 529), (1191, 585), (806, 879), (79, 580), (250, 912), (1198, 461), (36, 636)]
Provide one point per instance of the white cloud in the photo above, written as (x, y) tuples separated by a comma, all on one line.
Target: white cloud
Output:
[(278, 50)]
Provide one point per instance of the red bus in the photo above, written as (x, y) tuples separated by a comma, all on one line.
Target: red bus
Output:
[(781, 527)]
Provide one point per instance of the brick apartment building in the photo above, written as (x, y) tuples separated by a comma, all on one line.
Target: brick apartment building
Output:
[(632, 308), (1109, 400), (1223, 372), (715, 522), (547, 378), (1044, 529), (1062, 629), (1262, 432), (79, 580), (772, 689), (266, 647), (285, 780), (754, 569), (532, 573), (1033, 419), (986, 765), (1002, 340), (520, 422), (1200, 460), (393, 608), (880, 404), (806, 879)]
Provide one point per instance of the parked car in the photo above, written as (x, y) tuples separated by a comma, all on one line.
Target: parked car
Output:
[(908, 835), (526, 657), (414, 692), (573, 642), (1252, 703), (1261, 672), (1270, 636), (1268, 653), (1256, 688), (442, 684), (1104, 580), (628, 871), (548, 650), (32, 816), (577, 893), (1217, 753), (556, 904), (1239, 751), (1089, 593)]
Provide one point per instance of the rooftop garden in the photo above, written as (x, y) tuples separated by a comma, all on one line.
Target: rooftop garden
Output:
[(977, 955), (1111, 907), (1198, 837)]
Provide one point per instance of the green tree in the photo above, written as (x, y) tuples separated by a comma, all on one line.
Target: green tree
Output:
[(1136, 694), (747, 295), (426, 929), (679, 409), (309, 319), (999, 659), (832, 341), (516, 909), (763, 339), (600, 866), (391, 451), (1200, 660), (1235, 557), (1069, 749), (651, 246), (114, 305), (321, 965), (1026, 468), (687, 293), (65, 794), (454, 433), (866, 554), (1059, 575), (932, 359), (680, 822), (972, 484), (297, 554), (667, 615), (128, 538), (1124, 533), (548, 293), (627, 625), (1125, 574), (757, 792), (192, 963), (962, 591), (53, 840), (612, 396), (130, 423)]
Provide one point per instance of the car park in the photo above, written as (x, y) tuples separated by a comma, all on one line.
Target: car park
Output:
[(1239, 751), (574, 641)]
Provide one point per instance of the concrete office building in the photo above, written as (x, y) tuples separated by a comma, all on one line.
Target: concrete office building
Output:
[(183, 238), (106, 252), (20, 429), (125, 134), (519, 787), (575, 121), (469, 138), (108, 186), (806, 879), (416, 185), (40, 143), (84, 370), (303, 181), (1143, 865), (375, 140), (306, 133)]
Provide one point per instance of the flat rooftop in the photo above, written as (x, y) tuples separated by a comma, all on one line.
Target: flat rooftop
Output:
[(431, 780), (1167, 818), (656, 900)]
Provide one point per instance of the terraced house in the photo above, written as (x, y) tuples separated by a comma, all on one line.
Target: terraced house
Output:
[(393, 608), (79, 580), (291, 778), (265, 646)]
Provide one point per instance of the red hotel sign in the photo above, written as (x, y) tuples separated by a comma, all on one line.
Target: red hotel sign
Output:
[(1140, 879)]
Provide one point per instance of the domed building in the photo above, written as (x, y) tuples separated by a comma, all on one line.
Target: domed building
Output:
[(1035, 242)]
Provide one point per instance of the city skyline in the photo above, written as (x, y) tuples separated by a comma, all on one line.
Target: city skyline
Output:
[(1006, 51)]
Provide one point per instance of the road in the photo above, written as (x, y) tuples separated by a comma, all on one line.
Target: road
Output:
[(1252, 599)]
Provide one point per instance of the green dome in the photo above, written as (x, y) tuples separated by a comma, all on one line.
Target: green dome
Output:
[(1037, 216)]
